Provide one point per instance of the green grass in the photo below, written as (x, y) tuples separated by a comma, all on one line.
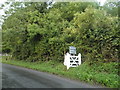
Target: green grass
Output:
[(105, 74)]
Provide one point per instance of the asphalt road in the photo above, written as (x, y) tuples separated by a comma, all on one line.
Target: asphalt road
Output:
[(19, 77), (0, 75)]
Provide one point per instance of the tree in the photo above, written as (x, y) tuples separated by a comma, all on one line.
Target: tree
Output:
[(45, 34), (111, 8)]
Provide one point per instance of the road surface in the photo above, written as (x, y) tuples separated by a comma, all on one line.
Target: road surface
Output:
[(0, 74), (19, 77)]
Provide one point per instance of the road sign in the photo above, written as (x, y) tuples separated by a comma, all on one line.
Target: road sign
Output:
[(72, 50)]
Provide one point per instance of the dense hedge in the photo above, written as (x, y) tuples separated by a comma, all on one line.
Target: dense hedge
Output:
[(35, 33)]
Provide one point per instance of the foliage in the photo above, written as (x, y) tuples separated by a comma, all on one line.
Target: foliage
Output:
[(45, 34), (112, 7)]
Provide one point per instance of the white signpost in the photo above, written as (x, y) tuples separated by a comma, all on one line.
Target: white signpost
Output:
[(70, 60)]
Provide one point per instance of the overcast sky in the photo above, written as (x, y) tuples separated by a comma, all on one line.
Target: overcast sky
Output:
[(1, 10)]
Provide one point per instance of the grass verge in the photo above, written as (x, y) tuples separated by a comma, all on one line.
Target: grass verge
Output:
[(105, 74)]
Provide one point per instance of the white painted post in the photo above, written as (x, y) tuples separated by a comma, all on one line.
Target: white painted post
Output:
[(79, 55)]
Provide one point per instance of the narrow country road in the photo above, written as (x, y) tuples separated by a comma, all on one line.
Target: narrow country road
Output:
[(19, 77)]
